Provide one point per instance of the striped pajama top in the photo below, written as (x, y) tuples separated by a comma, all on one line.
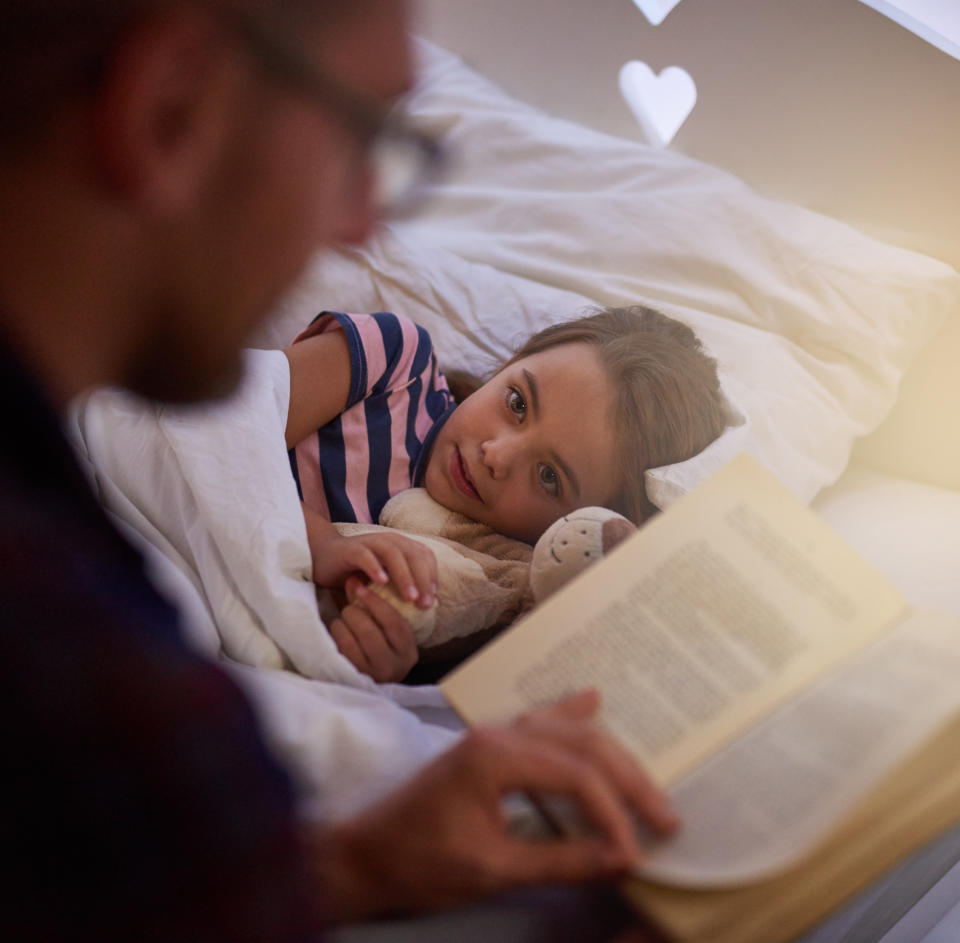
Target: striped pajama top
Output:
[(379, 445)]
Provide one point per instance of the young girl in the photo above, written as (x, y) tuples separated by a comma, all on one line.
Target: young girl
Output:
[(572, 420)]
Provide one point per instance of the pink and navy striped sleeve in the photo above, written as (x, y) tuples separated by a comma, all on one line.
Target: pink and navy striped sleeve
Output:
[(378, 446)]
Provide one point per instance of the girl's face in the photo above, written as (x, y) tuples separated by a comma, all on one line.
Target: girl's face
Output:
[(531, 445)]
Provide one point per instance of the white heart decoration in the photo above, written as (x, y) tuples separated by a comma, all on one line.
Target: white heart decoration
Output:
[(656, 10), (660, 103)]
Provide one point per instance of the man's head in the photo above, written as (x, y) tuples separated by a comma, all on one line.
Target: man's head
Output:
[(179, 176)]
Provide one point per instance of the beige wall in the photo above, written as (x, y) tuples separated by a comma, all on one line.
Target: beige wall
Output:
[(921, 438), (824, 103)]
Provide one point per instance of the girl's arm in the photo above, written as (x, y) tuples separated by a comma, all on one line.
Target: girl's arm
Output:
[(320, 373)]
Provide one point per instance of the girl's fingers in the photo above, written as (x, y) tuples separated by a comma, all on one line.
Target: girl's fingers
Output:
[(368, 561), (382, 661), (423, 565), (353, 588), (348, 646), (395, 562), (371, 641), (395, 629), (410, 565)]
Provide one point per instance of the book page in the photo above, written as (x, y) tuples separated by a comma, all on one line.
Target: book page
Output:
[(716, 611), (776, 792)]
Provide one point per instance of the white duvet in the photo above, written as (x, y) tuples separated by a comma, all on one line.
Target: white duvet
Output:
[(208, 494)]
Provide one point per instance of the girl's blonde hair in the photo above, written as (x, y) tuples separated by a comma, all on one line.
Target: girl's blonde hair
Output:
[(668, 405)]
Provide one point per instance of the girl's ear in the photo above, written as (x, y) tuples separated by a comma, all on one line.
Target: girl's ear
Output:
[(163, 108)]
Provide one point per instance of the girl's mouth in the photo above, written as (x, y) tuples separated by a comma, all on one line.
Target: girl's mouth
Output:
[(460, 477)]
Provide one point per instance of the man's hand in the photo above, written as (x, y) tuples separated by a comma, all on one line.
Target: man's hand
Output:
[(373, 636), (443, 838)]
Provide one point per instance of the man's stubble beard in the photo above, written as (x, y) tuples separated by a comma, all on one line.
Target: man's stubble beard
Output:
[(170, 367)]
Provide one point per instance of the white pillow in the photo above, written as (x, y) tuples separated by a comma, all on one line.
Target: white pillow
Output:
[(476, 315), (812, 322)]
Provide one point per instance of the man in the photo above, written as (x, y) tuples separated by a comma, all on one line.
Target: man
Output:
[(166, 168)]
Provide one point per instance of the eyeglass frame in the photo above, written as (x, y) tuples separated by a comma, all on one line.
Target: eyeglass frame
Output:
[(373, 120)]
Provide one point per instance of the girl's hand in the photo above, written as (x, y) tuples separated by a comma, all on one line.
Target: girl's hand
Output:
[(373, 636), (382, 557)]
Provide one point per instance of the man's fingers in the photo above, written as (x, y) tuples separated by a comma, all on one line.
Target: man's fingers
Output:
[(567, 723), (566, 860), (515, 761), (629, 778), (577, 706)]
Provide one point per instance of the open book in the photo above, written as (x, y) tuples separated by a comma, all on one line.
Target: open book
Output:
[(774, 681)]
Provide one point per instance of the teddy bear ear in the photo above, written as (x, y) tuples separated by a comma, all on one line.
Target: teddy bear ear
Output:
[(615, 530), (614, 527)]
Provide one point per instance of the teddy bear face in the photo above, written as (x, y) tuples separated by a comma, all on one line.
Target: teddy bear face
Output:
[(571, 544)]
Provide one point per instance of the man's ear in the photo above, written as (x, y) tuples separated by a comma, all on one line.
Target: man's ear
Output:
[(162, 112)]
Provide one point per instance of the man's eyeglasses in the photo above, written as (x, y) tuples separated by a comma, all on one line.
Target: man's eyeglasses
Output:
[(402, 157)]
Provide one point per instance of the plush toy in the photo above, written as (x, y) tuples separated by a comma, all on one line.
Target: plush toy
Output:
[(485, 579)]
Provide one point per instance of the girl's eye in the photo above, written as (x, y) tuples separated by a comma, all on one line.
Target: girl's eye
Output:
[(549, 479), (516, 403)]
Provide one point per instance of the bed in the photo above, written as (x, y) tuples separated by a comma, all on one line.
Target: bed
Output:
[(814, 326)]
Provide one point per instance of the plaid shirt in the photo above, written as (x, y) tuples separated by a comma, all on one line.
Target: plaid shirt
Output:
[(139, 802)]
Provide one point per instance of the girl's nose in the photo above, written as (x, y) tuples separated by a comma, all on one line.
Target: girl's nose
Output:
[(499, 454)]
